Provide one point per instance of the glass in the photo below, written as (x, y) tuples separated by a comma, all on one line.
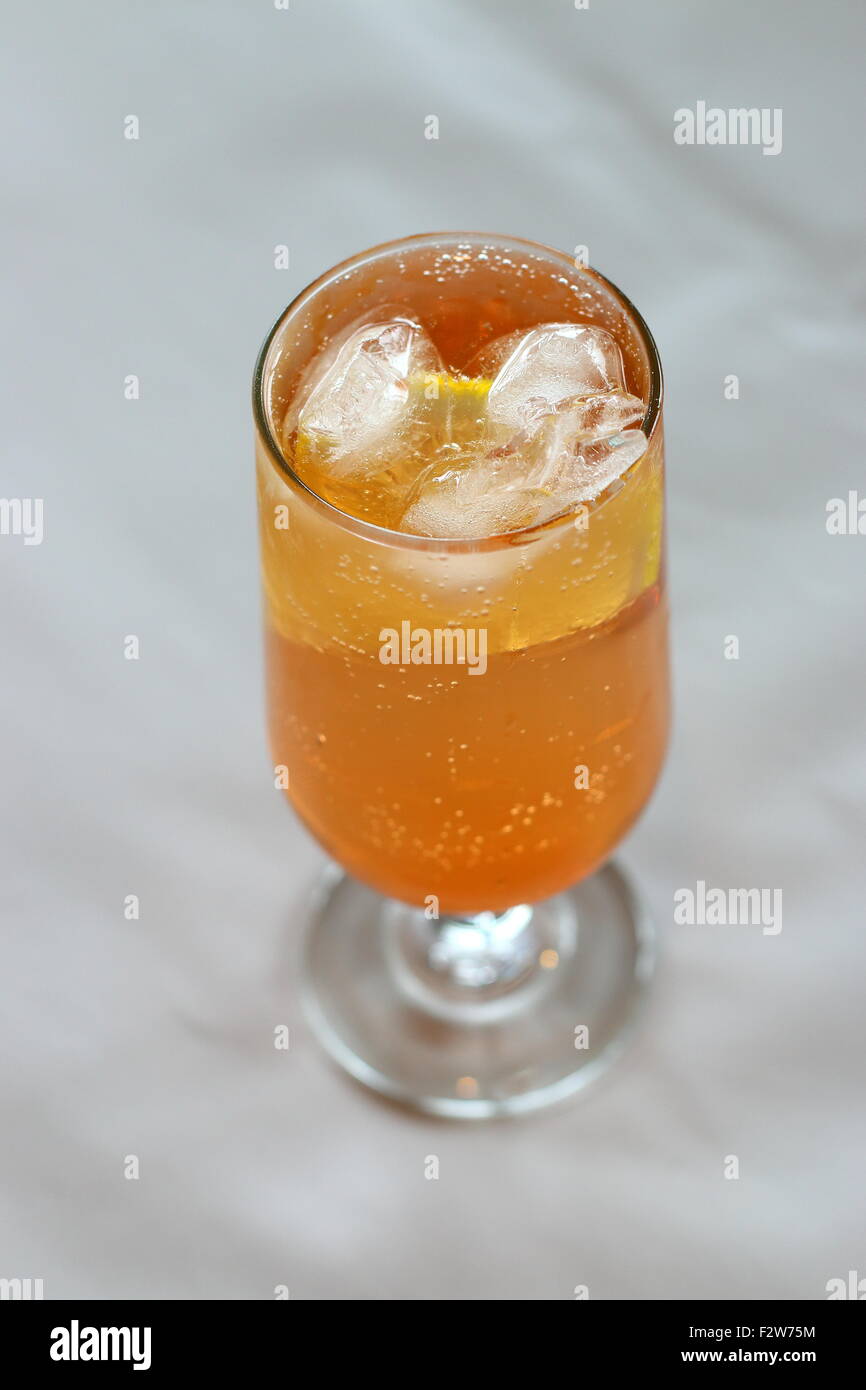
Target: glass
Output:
[(479, 956)]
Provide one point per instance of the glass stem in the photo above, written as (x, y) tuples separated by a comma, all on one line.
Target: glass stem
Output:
[(473, 956)]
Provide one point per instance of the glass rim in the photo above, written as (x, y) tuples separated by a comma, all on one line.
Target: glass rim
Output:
[(385, 535)]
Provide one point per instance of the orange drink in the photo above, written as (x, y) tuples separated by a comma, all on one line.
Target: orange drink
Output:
[(460, 480)]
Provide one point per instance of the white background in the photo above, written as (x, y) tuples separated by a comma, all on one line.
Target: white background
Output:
[(155, 257)]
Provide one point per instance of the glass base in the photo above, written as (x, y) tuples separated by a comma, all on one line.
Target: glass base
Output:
[(481, 1016)]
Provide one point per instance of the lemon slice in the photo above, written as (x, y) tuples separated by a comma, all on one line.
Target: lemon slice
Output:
[(444, 386), (452, 406)]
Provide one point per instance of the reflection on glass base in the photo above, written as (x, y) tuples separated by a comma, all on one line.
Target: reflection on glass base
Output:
[(482, 1016)]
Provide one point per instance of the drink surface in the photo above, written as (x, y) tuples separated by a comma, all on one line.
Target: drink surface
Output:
[(425, 775)]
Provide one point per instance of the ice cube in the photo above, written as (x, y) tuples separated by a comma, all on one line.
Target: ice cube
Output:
[(360, 410), (553, 437), (546, 366), (540, 475), (473, 500), (601, 413), (595, 465)]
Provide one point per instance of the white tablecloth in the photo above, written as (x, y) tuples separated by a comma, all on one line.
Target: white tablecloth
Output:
[(155, 258)]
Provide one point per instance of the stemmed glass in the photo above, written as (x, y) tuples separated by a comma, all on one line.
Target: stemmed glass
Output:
[(477, 954)]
